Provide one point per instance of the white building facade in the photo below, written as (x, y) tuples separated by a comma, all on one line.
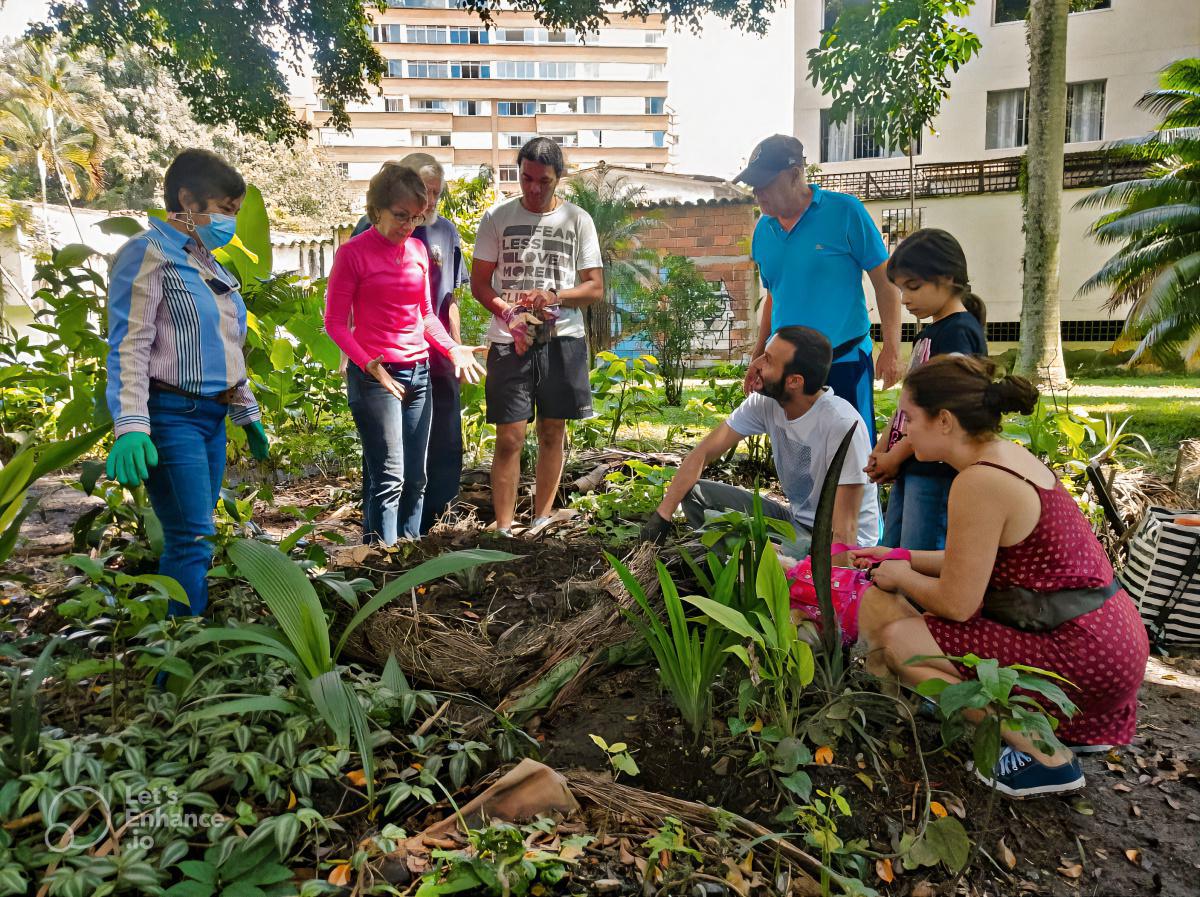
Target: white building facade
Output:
[(967, 168)]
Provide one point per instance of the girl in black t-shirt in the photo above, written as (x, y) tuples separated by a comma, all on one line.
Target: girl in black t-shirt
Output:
[(930, 269)]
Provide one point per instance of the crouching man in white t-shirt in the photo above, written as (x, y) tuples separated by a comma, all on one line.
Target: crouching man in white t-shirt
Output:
[(806, 423)]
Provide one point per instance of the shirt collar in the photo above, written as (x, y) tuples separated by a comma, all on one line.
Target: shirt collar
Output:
[(175, 237)]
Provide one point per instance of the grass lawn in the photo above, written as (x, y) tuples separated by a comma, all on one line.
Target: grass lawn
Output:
[(1164, 419)]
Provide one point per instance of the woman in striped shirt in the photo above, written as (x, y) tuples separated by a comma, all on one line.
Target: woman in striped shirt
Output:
[(176, 327)]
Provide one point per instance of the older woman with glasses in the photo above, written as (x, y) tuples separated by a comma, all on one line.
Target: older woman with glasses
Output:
[(379, 312)]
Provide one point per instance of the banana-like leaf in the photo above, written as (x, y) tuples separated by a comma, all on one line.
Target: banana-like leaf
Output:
[(250, 252), (292, 599), (434, 568), (726, 616)]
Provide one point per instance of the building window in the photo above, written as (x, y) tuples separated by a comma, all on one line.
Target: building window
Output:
[(508, 69), (417, 4), (322, 104), (654, 105), (424, 34), (565, 139), (470, 70), (854, 139), (899, 223), (1018, 10), (591, 105), (468, 107), (514, 35), (387, 34), (659, 138), (433, 139), (468, 34), (516, 107), (1007, 123), (556, 71), (556, 107), (343, 170), (393, 104), (395, 68), (431, 105), (561, 37), (516, 141), (653, 37), (508, 174), (423, 69), (1085, 111)]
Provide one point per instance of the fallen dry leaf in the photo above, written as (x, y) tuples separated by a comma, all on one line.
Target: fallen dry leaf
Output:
[(1173, 803), (1006, 855), (340, 875), (1135, 811), (823, 756), (1074, 870), (570, 852), (866, 780), (1134, 856), (883, 868), (923, 889), (1122, 787), (736, 881), (291, 799), (937, 809), (356, 777), (625, 855)]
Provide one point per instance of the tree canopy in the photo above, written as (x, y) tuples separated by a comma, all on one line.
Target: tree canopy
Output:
[(228, 58)]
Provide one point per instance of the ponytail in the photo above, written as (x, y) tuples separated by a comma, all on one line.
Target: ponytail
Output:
[(975, 306)]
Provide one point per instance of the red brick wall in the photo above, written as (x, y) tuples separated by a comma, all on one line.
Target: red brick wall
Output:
[(716, 236)]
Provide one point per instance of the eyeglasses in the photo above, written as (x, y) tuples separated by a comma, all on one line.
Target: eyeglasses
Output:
[(402, 218)]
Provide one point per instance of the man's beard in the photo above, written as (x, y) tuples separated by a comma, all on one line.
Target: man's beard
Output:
[(776, 390), (427, 218)]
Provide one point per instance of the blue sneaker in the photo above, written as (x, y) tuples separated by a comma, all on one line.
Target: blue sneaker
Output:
[(1019, 775)]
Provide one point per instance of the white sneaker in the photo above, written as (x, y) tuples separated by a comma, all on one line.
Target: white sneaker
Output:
[(539, 523)]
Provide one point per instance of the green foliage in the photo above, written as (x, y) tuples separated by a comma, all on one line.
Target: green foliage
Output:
[(689, 658), (31, 462), (618, 755), (992, 689), (479, 437), (1070, 439), (241, 872), (778, 661), (632, 492), (498, 862), (1156, 223), (887, 61), (623, 390), (669, 842), (305, 644), (670, 314)]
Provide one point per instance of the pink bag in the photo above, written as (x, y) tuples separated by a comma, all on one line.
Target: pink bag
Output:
[(849, 585)]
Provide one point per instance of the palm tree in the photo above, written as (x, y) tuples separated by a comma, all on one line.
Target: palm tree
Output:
[(1156, 271), (52, 117), (611, 202)]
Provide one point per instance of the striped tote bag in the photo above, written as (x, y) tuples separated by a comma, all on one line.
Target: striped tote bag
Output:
[(1162, 574)]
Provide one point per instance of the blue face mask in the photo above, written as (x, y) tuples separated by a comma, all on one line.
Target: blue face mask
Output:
[(219, 230)]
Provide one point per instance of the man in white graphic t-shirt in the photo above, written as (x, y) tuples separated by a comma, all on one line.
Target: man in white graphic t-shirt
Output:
[(806, 422), (536, 256)]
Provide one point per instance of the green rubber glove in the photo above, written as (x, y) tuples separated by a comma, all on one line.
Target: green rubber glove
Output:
[(256, 438), (132, 456)]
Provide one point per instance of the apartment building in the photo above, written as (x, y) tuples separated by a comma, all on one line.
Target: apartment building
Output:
[(471, 95), (967, 168)]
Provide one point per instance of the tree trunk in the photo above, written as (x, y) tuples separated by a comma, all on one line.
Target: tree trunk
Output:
[(1041, 343)]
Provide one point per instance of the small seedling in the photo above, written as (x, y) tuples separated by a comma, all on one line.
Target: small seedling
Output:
[(618, 757)]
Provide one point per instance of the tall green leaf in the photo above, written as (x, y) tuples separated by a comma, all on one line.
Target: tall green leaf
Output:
[(434, 568), (822, 559), (286, 589)]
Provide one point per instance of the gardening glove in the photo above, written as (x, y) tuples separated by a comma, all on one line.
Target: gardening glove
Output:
[(656, 529), (256, 438), (132, 456)]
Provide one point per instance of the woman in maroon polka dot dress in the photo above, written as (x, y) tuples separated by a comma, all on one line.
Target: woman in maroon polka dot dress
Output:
[(1011, 524)]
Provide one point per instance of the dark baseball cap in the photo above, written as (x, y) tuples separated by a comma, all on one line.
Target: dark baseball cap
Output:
[(770, 158)]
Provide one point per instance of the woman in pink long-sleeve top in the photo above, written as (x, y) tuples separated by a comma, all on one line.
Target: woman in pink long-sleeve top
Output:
[(380, 282)]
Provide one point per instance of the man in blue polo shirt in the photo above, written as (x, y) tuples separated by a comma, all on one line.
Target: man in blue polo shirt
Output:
[(812, 247)]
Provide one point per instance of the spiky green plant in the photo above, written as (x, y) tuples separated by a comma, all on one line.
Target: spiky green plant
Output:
[(1156, 222)]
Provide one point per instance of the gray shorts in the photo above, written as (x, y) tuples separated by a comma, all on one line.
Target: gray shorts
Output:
[(550, 380)]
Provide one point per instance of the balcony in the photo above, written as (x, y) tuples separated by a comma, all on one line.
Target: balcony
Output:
[(988, 176), (532, 52), (431, 121), (532, 89), (601, 121)]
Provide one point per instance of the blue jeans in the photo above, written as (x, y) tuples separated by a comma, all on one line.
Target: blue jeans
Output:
[(443, 468), (853, 379), (395, 436), (183, 488), (916, 513)]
